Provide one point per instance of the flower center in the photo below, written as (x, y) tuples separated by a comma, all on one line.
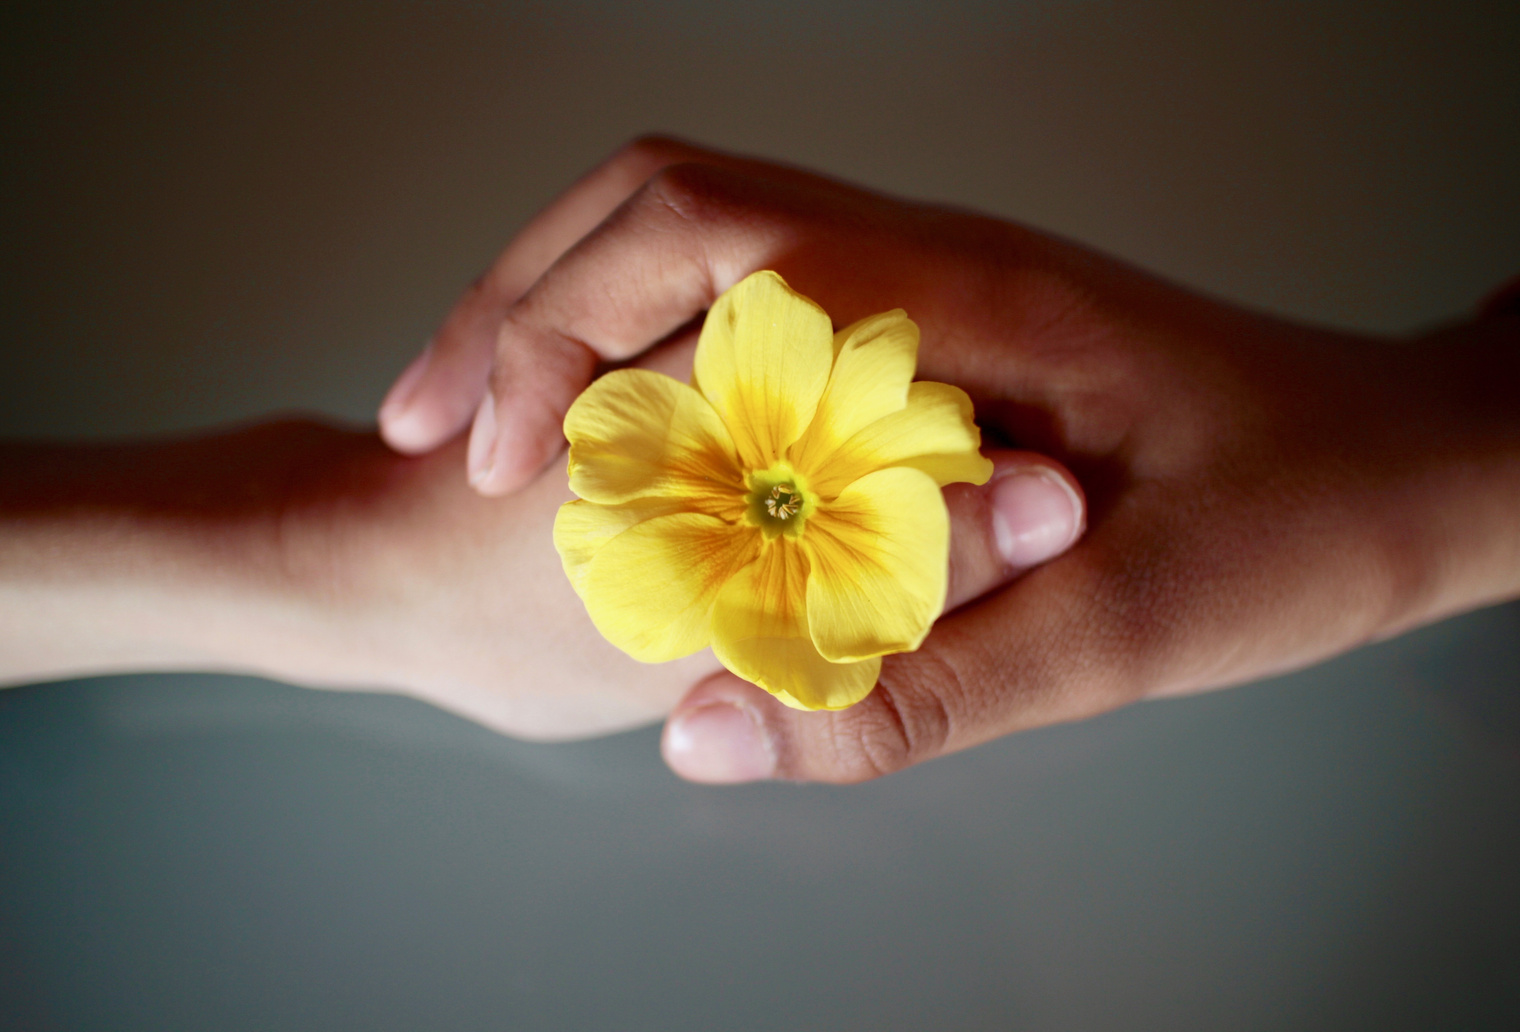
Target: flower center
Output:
[(784, 502), (778, 501)]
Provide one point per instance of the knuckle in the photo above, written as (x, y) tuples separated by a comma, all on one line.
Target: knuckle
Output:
[(634, 164), (652, 151), (694, 192), (476, 295), (907, 722), (871, 742)]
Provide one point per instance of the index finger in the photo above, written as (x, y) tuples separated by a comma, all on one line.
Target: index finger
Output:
[(433, 399), (663, 257)]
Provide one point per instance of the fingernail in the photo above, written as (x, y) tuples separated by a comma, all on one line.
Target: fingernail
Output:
[(1035, 517), (482, 454), (719, 743), (400, 394)]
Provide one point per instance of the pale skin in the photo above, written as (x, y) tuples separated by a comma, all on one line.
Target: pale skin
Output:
[(316, 555), (1263, 494)]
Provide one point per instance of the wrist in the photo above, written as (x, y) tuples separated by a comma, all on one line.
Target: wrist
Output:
[(1468, 497), (151, 557)]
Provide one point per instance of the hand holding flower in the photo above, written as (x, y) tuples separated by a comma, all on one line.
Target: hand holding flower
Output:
[(1264, 494)]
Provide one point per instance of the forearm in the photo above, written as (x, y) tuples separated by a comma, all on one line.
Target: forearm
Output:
[(149, 556), (313, 555)]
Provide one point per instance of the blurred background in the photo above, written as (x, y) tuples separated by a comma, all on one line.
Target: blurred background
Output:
[(215, 211)]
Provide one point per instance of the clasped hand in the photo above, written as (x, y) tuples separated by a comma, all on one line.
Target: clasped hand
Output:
[(1260, 494), (1187, 494)]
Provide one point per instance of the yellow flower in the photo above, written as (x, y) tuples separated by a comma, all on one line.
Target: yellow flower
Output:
[(784, 508)]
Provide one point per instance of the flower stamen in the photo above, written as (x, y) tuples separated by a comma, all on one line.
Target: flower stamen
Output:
[(784, 502)]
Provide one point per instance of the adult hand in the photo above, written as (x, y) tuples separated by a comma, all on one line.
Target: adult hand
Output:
[(1263, 494)]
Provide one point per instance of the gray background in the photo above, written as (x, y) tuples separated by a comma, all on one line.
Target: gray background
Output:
[(212, 212)]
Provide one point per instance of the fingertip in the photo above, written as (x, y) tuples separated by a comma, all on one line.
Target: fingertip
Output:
[(403, 423), (430, 402), (510, 444), (1037, 514), (718, 734), (1030, 512), (409, 432), (481, 457)]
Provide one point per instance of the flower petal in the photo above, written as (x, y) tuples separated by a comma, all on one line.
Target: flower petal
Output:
[(879, 565), (763, 361), (637, 434), (813, 683), (759, 631), (650, 589), (582, 528), (873, 366), (935, 432)]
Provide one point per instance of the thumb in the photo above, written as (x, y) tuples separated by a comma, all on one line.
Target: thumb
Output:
[(1029, 512), (726, 730)]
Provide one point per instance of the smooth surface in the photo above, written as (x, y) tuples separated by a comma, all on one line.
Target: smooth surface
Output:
[(213, 212)]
